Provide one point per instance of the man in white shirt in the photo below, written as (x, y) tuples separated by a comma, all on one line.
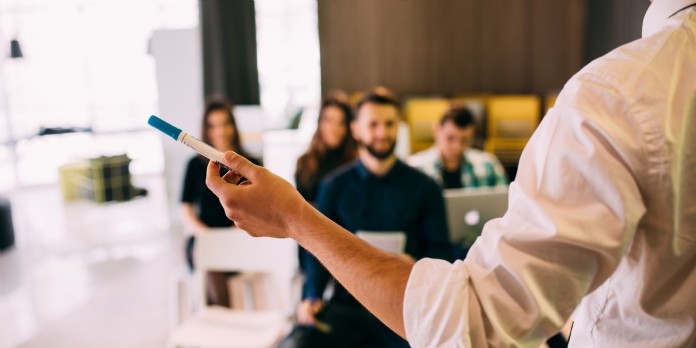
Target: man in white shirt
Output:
[(601, 220)]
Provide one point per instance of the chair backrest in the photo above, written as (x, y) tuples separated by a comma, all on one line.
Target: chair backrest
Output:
[(511, 121), (232, 249), (421, 114), (549, 101), (513, 116)]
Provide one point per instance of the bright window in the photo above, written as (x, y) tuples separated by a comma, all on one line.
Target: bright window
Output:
[(85, 64), (287, 29), (7, 177)]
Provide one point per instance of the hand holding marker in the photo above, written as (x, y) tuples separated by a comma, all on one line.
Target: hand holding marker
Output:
[(187, 139), (210, 153)]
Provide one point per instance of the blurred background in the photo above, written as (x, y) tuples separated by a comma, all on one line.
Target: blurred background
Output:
[(83, 267)]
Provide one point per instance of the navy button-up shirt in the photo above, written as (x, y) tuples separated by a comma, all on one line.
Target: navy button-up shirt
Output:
[(403, 200)]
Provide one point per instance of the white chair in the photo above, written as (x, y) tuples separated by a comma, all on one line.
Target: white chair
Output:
[(234, 250)]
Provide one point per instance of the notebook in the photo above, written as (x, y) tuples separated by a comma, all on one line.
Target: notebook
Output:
[(469, 209), (392, 241)]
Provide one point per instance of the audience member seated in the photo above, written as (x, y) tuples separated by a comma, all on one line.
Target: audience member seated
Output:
[(451, 162), (376, 193), (454, 164), (201, 209), (332, 146)]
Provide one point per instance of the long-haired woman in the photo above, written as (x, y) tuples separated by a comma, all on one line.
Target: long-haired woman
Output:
[(201, 209), (332, 146)]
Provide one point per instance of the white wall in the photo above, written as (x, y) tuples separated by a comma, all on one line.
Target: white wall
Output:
[(7, 155), (180, 88), (281, 149)]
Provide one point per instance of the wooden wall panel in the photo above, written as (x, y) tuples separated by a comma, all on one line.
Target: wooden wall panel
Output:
[(611, 24), (450, 46)]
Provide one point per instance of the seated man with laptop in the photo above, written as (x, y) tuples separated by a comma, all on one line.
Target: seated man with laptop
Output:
[(451, 162), (474, 182), (385, 202)]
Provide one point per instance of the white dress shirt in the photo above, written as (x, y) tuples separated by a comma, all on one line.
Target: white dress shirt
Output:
[(601, 219)]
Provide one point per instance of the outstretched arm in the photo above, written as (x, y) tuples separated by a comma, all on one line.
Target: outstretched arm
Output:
[(267, 205), (573, 213)]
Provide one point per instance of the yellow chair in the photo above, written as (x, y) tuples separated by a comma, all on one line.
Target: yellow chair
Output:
[(421, 114), (511, 121), (355, 97), (549, 101)]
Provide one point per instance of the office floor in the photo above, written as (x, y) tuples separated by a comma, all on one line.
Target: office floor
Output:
[(84, 275), (88, 275)]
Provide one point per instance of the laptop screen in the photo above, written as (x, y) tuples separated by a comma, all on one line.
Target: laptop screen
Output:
[(469, 209)]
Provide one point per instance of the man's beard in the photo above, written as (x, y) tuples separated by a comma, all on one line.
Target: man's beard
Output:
[(380, 155)]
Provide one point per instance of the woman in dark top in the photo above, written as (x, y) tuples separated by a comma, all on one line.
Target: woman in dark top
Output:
[(332, 146), (201, 209)]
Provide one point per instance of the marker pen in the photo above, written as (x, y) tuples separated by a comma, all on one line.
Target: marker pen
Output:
[(187, 139)]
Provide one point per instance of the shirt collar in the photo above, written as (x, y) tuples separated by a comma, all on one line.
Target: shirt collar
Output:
[(658, 13), (365, 174), (440, 164)]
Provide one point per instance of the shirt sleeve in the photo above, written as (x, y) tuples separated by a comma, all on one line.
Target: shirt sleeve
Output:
[(299, 186), (572, 212), (316, 276), (434, 227), (306, 190)]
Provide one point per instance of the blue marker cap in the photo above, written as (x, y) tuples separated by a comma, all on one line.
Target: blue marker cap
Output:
[(164, 127)]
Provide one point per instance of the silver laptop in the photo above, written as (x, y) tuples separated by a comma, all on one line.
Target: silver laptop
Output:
[(469, 209)]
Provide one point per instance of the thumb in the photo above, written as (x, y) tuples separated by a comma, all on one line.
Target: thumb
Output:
[(240, 165)]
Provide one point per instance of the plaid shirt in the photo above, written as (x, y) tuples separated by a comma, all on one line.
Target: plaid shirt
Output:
[(478, 168)]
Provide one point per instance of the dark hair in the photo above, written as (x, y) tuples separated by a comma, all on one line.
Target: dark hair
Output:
[(461, 116), (380, 96), (308, 164), (221, 104)]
